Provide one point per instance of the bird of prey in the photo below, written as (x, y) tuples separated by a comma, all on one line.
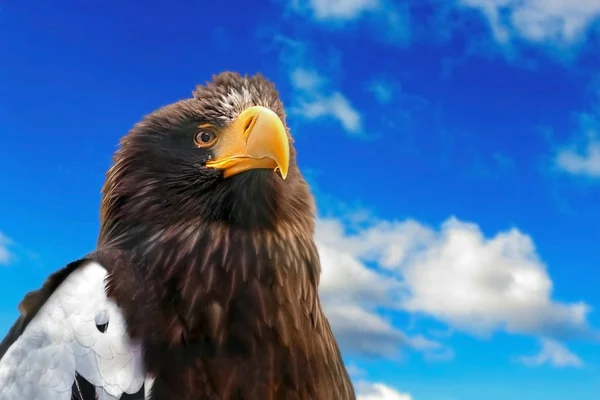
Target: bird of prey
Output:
[(204, 283)]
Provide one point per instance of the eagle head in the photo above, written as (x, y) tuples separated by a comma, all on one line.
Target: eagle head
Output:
[(223, 156)]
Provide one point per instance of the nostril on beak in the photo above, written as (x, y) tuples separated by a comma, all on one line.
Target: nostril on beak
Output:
[(250, 122)]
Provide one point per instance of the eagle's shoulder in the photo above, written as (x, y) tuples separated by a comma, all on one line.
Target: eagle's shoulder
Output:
[(34, 300), (68, 328)]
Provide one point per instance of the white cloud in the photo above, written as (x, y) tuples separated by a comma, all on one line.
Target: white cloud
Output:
[(5, 254), (553, 353), (338, 9), (481, 284), (314, 95), (351, 292), (581, 163), (556, 22), (313, 100), (390, 21), (382, 90), (456, 274), (583, 156), (334, 106), (306, 79), (379, 391)]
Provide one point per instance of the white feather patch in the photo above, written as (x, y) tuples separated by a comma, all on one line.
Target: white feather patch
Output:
[(63, 338)]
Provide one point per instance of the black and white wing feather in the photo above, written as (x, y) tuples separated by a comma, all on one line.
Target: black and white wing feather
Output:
[(76, 331)]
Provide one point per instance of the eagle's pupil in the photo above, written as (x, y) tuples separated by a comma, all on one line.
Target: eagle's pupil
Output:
[(206, 137)]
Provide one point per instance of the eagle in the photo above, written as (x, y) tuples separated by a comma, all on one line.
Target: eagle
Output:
[(204, 281)]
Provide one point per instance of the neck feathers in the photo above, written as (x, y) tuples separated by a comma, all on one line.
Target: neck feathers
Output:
[(238, 308)]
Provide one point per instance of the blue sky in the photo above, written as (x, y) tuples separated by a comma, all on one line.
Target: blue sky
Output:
[(452, 147)]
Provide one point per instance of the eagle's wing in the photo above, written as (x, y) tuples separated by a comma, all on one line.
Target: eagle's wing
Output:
[(70, 330)]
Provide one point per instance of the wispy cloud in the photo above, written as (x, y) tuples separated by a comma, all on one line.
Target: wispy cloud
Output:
[(581, 163), (314, 95), (355, 371), (340, 10), (402, 114), (560, 23), (382, 89), (560, 26), (6, 255), (493, 167), (552, 353), (313, 104), (306, 79), (582, 155), (389, 21)]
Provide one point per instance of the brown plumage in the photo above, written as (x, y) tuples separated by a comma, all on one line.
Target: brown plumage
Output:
[(217, 275)]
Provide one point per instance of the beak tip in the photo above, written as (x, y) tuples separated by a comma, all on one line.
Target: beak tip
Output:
[(283, 173)]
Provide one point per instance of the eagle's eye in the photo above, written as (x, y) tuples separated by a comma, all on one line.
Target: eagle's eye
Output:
[(205, 138)]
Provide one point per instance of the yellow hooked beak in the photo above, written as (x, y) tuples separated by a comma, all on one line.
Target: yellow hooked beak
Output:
[(256, 139)]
